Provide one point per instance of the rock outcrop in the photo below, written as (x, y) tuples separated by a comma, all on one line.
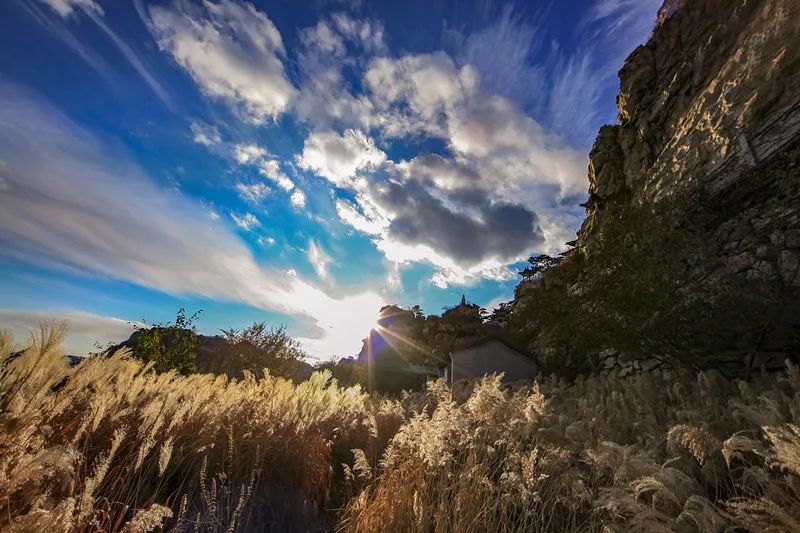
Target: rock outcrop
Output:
[(708, 141), (713, 102)]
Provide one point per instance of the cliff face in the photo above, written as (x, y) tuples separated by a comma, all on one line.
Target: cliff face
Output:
[(713, 76), (708, 142), (712, 99)]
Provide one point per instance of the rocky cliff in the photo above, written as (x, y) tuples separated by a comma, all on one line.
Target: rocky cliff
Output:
[(704, 166)]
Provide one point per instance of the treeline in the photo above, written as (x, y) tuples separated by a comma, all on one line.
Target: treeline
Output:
[(178, 346)]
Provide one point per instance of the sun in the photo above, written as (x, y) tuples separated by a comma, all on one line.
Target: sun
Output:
[(344, 323)]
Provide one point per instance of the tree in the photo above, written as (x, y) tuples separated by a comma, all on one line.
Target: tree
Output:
[(346, 371), (539, 263), (258, 347), (501, 314), (169, 346)]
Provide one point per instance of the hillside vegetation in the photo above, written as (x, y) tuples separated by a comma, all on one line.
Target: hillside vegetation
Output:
[(112, 445)]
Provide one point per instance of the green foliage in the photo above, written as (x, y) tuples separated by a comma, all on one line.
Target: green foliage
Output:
[(347, 372), (539, 263), (408, 337), (258, 347), (648, 285), (169, 346)]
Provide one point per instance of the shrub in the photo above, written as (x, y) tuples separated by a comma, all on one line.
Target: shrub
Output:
[(169, 346), (258, 347)]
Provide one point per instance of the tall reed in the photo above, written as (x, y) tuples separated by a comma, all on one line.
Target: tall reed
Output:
[(109, 444), (695, 452)]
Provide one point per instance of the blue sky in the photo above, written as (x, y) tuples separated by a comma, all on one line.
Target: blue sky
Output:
[(300, 163)]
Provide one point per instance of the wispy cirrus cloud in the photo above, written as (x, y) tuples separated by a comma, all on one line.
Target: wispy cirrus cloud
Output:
[(253, 192), (65, 8), (246, 154), (319, 259), (69, 9), (247, 221), (561, 86), (70, 202), (58, 30), (253, 154), (271, 169), (206, 134)]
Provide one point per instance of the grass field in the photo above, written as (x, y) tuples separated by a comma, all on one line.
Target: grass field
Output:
[(111, 445)]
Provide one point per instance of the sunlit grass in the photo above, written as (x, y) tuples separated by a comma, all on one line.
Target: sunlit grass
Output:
[(108, 442), (692, 453), (111, 445)]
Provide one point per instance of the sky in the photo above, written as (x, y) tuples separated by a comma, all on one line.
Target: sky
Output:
[(298, 163)]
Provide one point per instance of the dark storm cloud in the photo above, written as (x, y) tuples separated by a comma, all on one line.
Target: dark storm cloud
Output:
[(464, 226)]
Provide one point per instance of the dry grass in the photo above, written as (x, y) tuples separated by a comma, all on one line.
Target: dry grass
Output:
[(110, 445), (694, 453)]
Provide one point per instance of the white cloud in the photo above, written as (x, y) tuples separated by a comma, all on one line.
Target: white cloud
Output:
[(428, 83), (93, 10), (409, 225), (205, 134), (393, 279), (448, 272), (85, 329), (512, 151), (444, 278), (338, 157), (254, 192), (327, 50), (65, 8), (323, 37), (503, 170), (248, 153), (367, 33), (247, 221), (271, 169), (349, 214), (298, 199), (319, 259), (486, 132), (231, 50), (265, 241), (74, 203), (504, 53)]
